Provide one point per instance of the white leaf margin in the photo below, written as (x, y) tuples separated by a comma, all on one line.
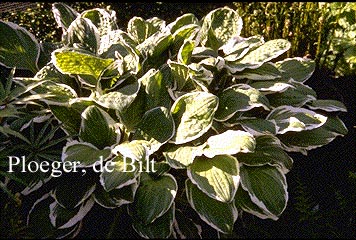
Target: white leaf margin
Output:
[(75, 142), (259, 203), (83, 210), (286, 108), (85, 196), (191, 201), (235, 180), (33, 38), (127, 183)]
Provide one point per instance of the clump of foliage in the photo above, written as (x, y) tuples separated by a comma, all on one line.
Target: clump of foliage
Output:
[(338, 53), (214, 113)]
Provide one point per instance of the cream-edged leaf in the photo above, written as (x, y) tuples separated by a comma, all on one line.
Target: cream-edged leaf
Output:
[(267, 187), (219, 215), (153, 198), (193, 115), (239, 98), (181, 156), (230, 142), (288, 118), (217, 177)]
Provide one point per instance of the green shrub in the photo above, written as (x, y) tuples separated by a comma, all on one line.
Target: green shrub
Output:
[(202, 117), (338, 53)]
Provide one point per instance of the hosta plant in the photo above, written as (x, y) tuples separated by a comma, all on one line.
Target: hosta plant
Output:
[(187, 117)]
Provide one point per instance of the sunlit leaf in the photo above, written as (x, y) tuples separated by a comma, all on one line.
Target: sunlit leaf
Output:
[(182, 21), (237, 47), (239, 97), (156, 44), (150, 128), (183, 34), (179, 73), (135, 149), (83, 34), (140, 29), (121, 98), (156, 89), (266, 71), (69, 62), (193, 115), (55, 93), (229, 142), (217, 177), (269, 87), (296, 96), (264, 53), (181, 156), (219, 26), (289, 118), (132, 115), (103, 19), (185, 52), (299, 69)]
